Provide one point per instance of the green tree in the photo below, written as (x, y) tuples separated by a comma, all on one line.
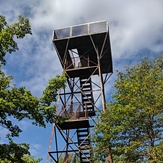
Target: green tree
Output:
[(25, 159), (131, 128), (19, 103), (8, 34)]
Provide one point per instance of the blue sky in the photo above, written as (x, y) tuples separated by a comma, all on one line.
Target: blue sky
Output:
[(136, 31)]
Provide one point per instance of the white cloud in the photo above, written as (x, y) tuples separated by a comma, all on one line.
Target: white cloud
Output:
[(134, 25), (34, 149), (24, 124)]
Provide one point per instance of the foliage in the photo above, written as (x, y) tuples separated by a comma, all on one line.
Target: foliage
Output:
[(132, 126), (17, 104), (9, 33), (155, 155), (8, 151), (25, 159), (15, 153), (61, 119), (29, 159), (50, 93), (48, 100), (69, 159)]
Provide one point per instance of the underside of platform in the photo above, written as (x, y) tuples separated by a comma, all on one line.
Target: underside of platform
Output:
[(75, 124), (86, 53)]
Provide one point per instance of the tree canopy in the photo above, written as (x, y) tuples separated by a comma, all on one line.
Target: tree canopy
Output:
[(10, 32), (19, 103), (131, 128)]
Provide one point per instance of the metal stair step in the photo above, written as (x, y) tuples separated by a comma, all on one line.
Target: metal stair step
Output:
[(83, 135), (82, 130), (86, 96), (85, 153), (84, 140), (86, 85), (84, 89), (90, 107), (87, 91), (85, 158), (83, 81), (87, 99), (86, 161), (85, 147), (88, 104)]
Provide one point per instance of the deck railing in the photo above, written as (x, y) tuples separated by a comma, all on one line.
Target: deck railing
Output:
[(75, 111), (79, 30)]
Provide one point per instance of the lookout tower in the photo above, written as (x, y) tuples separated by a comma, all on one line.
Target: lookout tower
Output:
[(85, 54)]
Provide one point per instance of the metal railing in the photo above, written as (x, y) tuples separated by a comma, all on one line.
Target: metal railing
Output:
[(78, 62), (79, 30), (75, 111)]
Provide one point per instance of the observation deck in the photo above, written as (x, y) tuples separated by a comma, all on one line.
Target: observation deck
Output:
[(78, 48)]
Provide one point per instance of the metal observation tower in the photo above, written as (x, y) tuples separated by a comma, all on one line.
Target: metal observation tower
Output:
[(85, 54)]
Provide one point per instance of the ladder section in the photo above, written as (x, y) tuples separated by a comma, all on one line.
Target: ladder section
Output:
[(84, 145), (87, 96)]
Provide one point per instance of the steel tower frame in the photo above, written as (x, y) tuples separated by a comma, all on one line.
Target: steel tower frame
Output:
[(85, 55)]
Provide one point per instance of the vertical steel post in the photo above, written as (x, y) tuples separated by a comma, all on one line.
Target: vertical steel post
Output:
[(101, 81), (56, 142)]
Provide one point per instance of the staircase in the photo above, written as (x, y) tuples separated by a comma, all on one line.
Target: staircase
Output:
[(87, 96), (84, 145)]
